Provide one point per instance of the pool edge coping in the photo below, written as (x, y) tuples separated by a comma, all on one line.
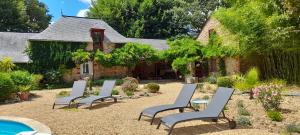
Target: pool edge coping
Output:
[(35, 125)]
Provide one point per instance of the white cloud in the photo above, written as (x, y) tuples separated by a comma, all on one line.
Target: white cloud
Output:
[(82, 13), (86, 1)]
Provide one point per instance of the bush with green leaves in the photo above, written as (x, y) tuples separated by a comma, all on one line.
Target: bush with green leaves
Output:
[(269, 95), (115, 92), (6, 65), (7, 86), (153, 87), (243, 111), (225, 82), (129, 93), (244, 121), (63, 93), (53, 77), (292, 128), (23, 80), (240, 104), (36, 81), (274, 115), (250, 81), (212, 79), (130, 84)]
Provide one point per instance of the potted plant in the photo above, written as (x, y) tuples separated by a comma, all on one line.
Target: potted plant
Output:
[(24, 92)]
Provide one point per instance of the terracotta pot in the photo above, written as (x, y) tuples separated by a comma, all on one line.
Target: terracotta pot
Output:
[(24, 96)]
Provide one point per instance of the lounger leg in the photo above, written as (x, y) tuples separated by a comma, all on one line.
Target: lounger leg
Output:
[(158, 125), (140, 116), (170, 130), (53, 105), (90, 107), (115, 99), (181, 110)]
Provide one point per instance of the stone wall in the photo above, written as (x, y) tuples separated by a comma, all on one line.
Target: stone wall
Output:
[(210, 24), (99, 71), (232, 64)]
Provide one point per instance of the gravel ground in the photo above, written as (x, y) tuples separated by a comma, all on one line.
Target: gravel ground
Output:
[(120, 118)]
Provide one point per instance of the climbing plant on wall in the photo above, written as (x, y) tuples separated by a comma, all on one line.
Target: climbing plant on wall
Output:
[(50, 55)]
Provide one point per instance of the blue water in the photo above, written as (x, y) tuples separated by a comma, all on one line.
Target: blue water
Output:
[(12, 128)]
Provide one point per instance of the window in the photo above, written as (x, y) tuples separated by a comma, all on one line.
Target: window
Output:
[(85, 68)]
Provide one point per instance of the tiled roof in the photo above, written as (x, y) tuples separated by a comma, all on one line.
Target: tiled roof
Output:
[(76, 29), (155, 43), (13, 45)]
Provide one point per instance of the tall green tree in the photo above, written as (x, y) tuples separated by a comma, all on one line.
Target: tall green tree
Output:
[(23, 16), (153, 18)]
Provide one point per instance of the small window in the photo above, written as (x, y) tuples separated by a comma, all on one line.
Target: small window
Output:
[(85, 68)]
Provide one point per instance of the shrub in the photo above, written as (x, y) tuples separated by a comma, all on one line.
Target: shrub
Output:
[(24, 88), (274, 115), (130, 84), (6, 86), (252, 77), (224, 82), (53, 77), (241, 85), (250, 81), (243, 111), (212, 79), (36, 80), (152, 87), (240, 104), (21, 78), (129, 93), (293, 128), (115, 92), (6, 65), (63, 93), (269, 95), (242, 120)]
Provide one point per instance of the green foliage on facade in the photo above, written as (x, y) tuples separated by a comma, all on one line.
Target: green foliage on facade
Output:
[(129, 55), (47, 56)]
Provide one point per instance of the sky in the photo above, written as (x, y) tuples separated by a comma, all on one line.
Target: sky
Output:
[(68, 7)]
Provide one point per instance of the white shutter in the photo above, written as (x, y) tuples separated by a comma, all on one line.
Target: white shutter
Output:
[(90, 67), (81, 69)]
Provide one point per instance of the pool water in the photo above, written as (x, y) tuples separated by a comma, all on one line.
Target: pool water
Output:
[(12, 128)]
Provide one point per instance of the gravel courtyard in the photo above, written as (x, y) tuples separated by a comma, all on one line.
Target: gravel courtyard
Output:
[(117, 118)]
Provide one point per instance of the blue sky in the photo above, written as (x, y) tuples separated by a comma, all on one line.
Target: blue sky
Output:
[(69, 7)]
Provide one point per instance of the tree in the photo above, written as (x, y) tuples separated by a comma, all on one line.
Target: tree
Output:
[(23, 16), (183, 52), (153, 18)]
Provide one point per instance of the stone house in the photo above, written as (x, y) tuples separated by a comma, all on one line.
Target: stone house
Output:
[(97, 34), (232, 64)]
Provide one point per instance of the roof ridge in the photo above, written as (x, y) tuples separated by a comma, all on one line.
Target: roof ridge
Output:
[(81, 17), (19, 32)]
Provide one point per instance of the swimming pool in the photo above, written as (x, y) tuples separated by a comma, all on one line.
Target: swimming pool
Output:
[(12, 128)]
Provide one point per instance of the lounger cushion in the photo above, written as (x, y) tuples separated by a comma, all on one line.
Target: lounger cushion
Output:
[(90, 99), (180, 117), (64, 100), (153, 110)]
